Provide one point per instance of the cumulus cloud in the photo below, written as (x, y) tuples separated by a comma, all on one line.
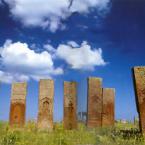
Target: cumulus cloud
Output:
[(49, 48), (72, 43), (49, 13), (82, 6), (82, 57), (19, 62), (7, 77)]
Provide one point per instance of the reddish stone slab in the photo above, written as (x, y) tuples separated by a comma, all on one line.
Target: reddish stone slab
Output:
[(45, 113), (18, 104), (94, 106), (70, 105), (139, 84), (108, 107)]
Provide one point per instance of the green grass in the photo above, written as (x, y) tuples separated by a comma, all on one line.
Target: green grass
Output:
[(121, 134)]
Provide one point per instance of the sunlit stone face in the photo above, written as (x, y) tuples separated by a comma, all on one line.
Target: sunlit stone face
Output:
[(45, 113), (108, 107), (94, 107), (70, 105), (18, 104)]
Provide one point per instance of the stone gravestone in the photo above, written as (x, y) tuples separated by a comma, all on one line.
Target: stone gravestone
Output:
[(18, 104), (70, 105), (94, 106), (108, 107), (45, 113), (139, 84)]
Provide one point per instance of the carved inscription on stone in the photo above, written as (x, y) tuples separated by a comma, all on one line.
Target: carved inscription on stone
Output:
[(46, 95), (108, 107), (70, 105), (94, 107), (18, 104), (139, 84)]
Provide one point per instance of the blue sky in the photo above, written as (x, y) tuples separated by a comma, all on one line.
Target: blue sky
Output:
[(71, 41)]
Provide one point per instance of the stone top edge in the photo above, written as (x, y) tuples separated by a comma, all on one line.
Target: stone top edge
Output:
[(46, 80), (97, 78), (109, 88), (69, 82), (113, 89), (138, 67), (16, 83)]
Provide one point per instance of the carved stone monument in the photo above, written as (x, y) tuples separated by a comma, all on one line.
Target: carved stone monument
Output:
[(45, 113), (139, 84), (70, 105), (108, 107), (18, 104), (94, 106)]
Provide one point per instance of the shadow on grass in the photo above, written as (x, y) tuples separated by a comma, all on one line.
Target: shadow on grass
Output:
[(127, 134)]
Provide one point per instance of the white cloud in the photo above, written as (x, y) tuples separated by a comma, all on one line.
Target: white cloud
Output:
[(82, 57), (19, 62), (83, 6), (7, 77), (49, 48), (49, 13), (73, 44)]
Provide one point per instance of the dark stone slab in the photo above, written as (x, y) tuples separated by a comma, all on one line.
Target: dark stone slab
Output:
[(139, 85)]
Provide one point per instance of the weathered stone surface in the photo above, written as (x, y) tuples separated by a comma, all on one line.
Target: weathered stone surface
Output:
[(94, 107), (139, 83), (70, 105), (18, 104), (45, 113), (108, 107)]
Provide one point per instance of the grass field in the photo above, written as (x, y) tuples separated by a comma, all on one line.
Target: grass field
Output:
[(121, 134)]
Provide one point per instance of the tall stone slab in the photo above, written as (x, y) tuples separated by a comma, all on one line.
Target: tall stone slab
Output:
[(18, 104), (94, 106), (70, 105), (45, 113), (108, 107), (139, 84)]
